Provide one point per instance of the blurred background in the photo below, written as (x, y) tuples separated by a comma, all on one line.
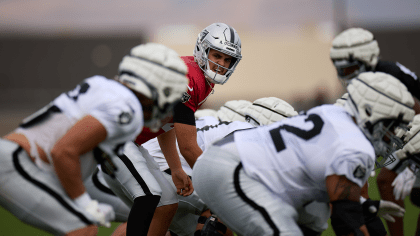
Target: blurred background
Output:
[(48, 46)]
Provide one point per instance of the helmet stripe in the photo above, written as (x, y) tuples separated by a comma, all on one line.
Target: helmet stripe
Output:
[(232, 35), (157, 64), (233, 110), (354, 45), (383, 93), (255, 104)]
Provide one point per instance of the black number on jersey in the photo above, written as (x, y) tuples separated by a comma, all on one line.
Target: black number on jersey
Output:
[(304, 134), (80, 89)]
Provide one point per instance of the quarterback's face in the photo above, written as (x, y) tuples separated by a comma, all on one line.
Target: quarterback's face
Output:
[(221, 59)]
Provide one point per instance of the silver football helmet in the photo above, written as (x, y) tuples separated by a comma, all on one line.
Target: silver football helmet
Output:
[(158, 73), (381, 105), (265, 111), (233, 110), (220, 37), (354, 51)]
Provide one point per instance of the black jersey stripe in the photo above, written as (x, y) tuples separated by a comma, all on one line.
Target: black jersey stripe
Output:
[(99, 185), (260, 209), (45, 188), (136, 174)]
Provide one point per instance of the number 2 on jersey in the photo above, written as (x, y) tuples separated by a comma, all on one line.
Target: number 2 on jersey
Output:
[(304, 134)]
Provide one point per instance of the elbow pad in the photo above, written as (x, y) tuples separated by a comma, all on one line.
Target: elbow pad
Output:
[(347, 217)]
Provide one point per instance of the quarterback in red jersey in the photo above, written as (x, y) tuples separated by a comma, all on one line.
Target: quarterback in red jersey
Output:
[(215, 57)]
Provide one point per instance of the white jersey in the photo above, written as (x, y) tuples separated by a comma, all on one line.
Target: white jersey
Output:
[(110, 102), (293, 157), (209, 129)]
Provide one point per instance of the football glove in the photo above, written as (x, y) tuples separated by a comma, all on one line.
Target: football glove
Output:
[(381, 208), (101, 213), (411, 138), (403, 184)]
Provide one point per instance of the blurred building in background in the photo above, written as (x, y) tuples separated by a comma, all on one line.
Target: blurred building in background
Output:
[(48, 46)]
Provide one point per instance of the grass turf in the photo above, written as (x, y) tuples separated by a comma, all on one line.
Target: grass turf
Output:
[(11, 226)]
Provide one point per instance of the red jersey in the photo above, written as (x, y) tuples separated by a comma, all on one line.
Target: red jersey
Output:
[(198, 87), (197, 93)]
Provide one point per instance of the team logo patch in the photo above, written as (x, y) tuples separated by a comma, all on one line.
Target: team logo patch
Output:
[(185, 97), (125, 118), (359, 172)]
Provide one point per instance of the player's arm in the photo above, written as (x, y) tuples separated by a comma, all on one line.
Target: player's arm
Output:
[(84, 136), (347, 212), (167, 143), (186, 133)]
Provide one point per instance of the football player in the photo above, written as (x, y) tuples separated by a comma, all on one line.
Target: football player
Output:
[(257, 181), (209, 129), (354, 51), (46, 159), (216, 54), (262, 111)]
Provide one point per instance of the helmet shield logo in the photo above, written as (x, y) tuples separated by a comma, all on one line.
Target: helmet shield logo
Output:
[(185, 97)]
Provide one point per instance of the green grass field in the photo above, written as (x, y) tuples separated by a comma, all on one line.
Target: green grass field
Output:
[(11, 226)]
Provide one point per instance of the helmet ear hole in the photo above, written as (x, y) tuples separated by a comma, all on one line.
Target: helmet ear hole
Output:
[(368, 111)]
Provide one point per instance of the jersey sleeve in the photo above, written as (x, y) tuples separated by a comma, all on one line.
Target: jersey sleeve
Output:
[(184, 114), (355, 166), (118, 118), (402, 73), (190, 98)]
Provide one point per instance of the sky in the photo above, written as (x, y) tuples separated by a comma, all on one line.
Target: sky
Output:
[(45, 17)]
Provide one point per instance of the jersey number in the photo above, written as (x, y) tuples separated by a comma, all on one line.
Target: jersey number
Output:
[(304, 134), (80, 89)]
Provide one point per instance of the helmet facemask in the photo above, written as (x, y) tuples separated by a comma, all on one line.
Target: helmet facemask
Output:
[(385, 141), (214, 77), (348, 69), (158, 114)]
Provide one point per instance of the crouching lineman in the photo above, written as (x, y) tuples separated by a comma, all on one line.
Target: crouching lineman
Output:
[(407, 166), (354, 51), (263, 111), (44, 162), (257, 181)]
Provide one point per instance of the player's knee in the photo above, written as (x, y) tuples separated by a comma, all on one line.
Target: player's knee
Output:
[(415, 196)]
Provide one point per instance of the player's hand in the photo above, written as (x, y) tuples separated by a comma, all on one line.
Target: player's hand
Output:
[(412, 139), (382, 208), (389, 209), (102, 214), (403, 184), (182, 182)]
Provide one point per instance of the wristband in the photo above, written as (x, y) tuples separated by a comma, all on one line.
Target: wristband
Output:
[(83, 200)]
